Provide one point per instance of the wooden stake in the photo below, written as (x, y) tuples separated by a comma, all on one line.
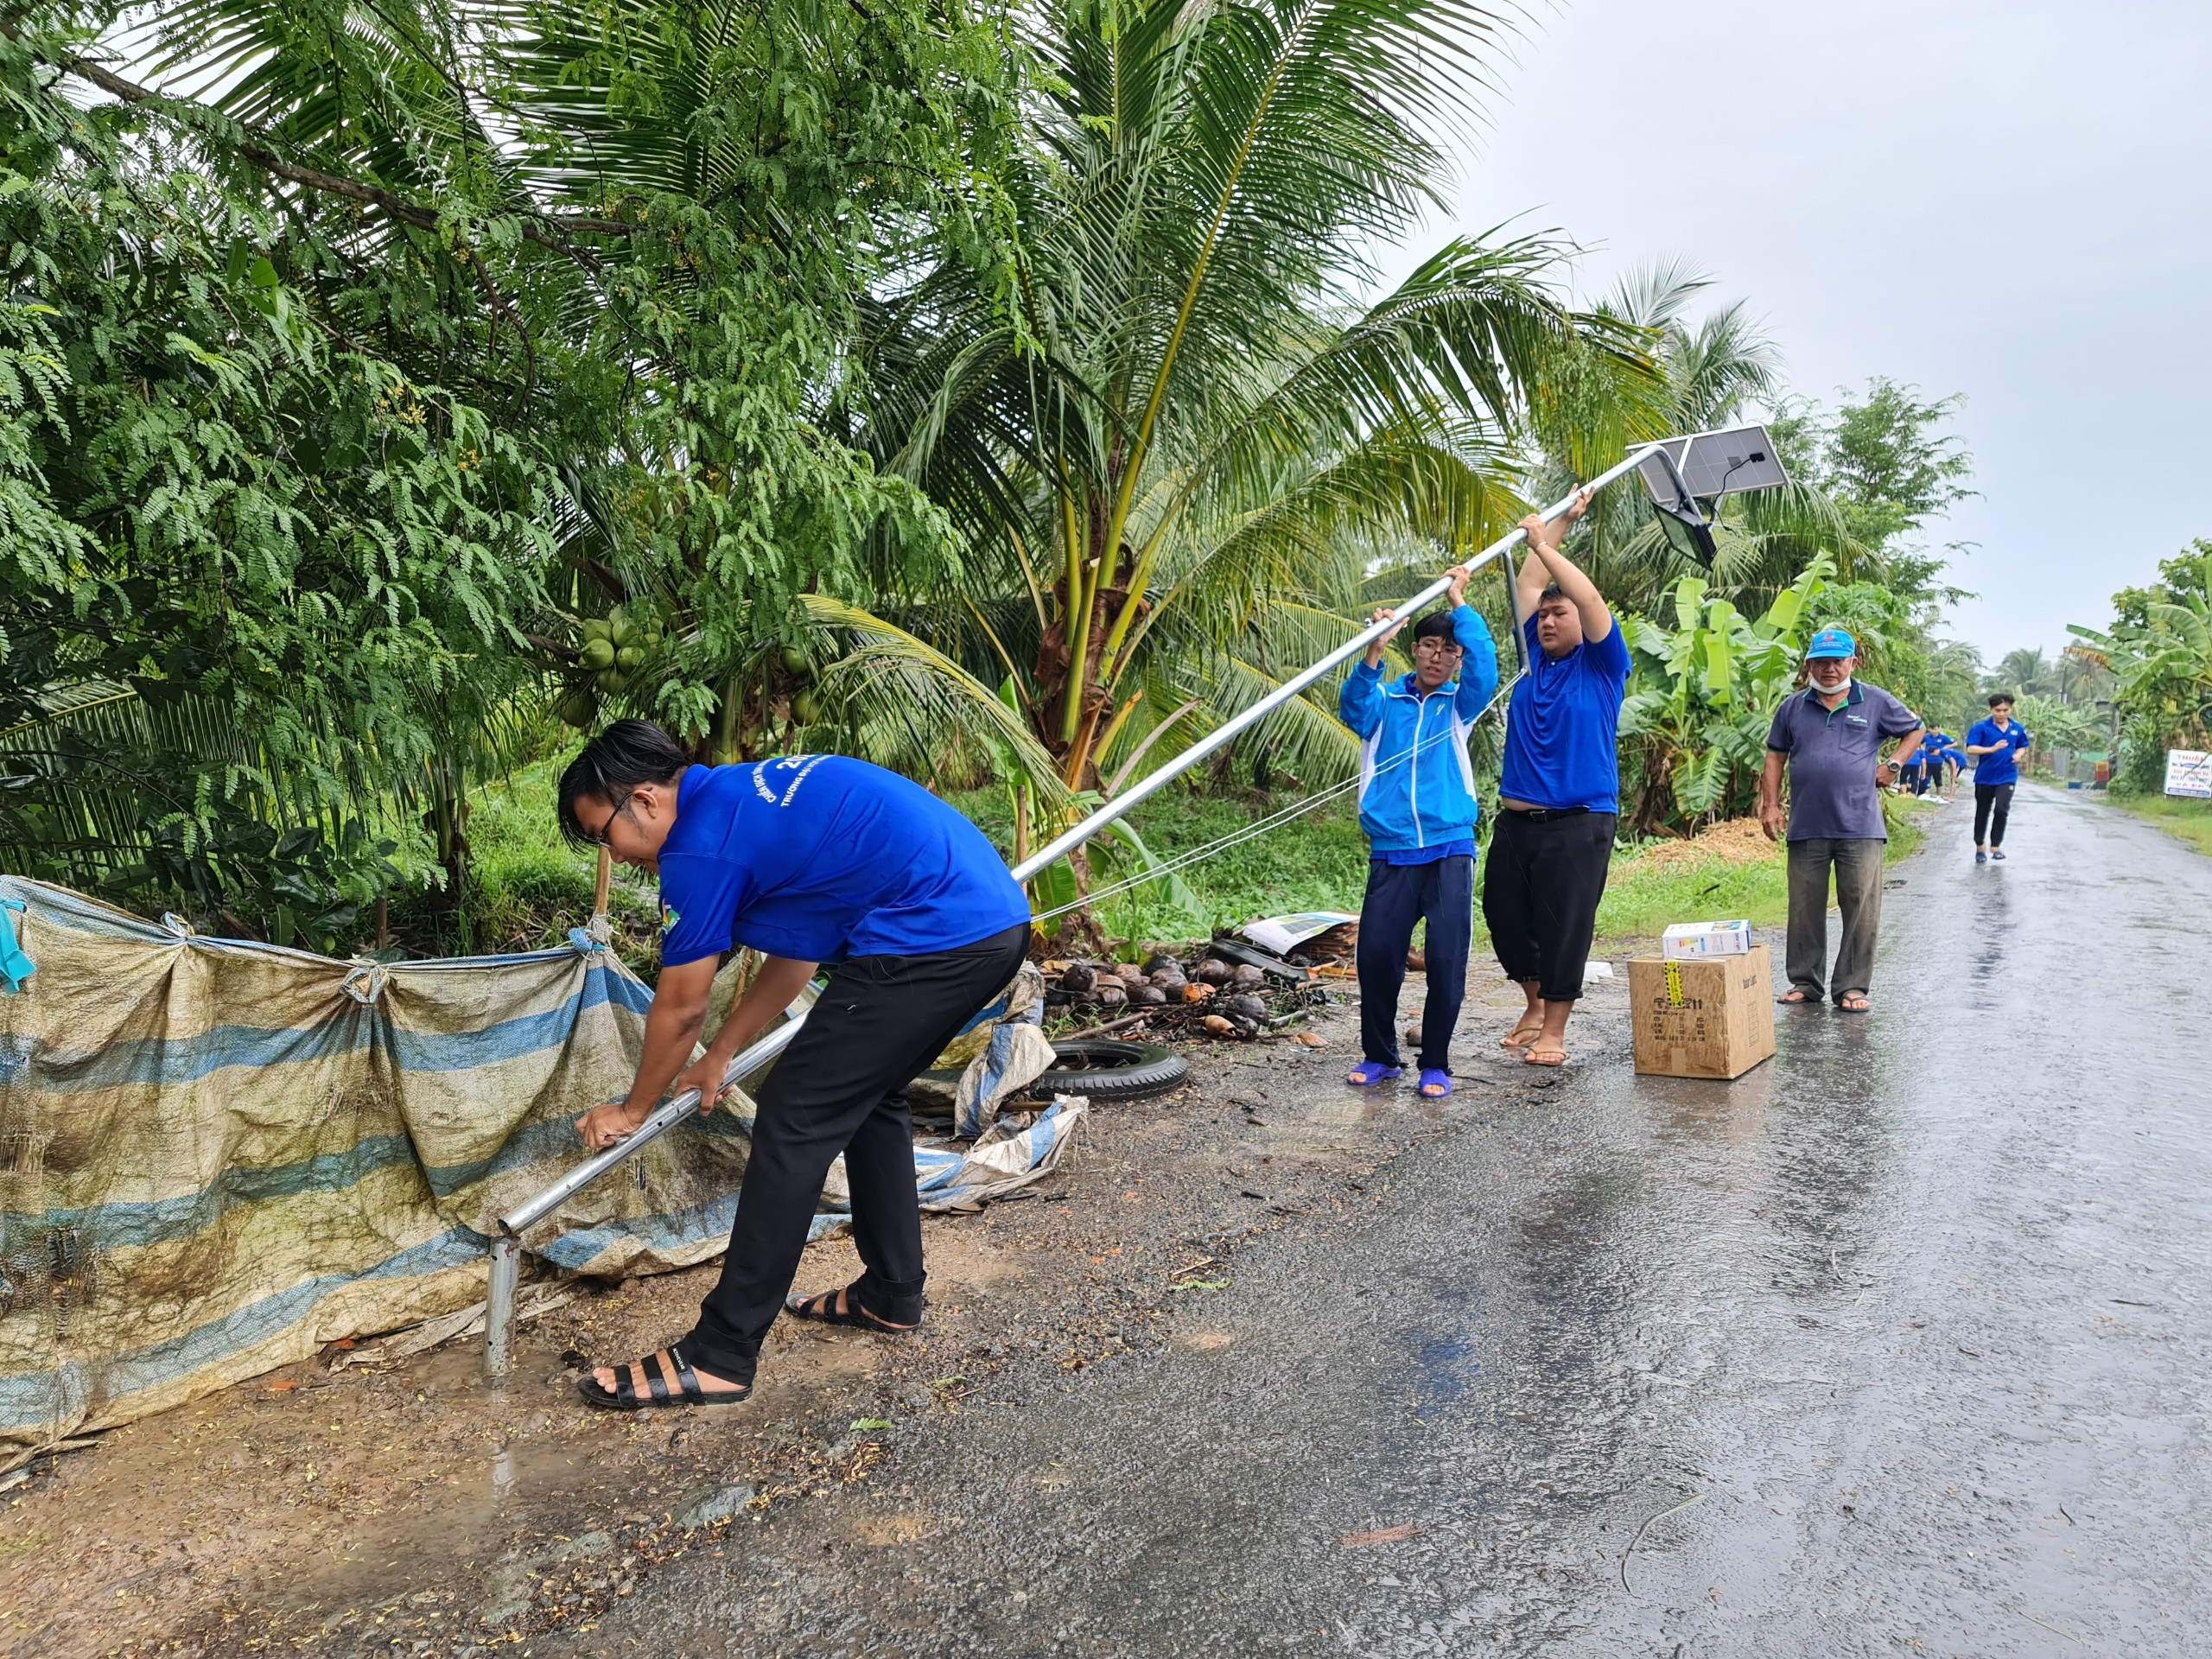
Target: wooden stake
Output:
[(601, 881)]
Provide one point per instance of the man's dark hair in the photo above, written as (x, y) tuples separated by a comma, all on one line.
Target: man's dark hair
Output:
[(1552, 591), (1996, 697), (626, 754), (1437, 624)]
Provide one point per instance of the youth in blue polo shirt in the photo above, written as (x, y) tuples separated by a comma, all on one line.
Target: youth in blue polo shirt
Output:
[(818, 857), (1562, 732), (2003, 767)]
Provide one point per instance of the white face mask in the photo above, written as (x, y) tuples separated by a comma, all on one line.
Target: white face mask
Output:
[(1843, 684)]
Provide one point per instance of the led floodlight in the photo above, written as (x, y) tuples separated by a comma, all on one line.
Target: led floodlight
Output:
[(1687, 477)]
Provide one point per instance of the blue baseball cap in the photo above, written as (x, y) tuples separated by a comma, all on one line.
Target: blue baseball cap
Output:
[(1832, 642)]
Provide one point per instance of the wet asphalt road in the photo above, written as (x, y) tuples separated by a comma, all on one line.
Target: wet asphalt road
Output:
[(1898, 1345)]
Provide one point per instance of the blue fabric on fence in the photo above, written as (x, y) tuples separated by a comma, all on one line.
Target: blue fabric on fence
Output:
[(16, 968)]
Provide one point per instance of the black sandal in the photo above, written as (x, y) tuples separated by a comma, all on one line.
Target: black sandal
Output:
[(820, 1309), (624, 1397)]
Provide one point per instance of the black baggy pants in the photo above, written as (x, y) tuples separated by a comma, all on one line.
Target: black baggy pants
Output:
[(1993, 805), (1541, 884), (1398, 895), (841, 1087)]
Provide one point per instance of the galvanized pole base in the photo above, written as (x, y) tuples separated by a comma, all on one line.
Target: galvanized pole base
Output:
[(499, 1304)]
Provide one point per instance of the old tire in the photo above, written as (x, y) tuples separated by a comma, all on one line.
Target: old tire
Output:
[(1096, 1066), (1107, 1070)]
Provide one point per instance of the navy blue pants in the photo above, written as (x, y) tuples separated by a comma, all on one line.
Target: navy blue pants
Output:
[(1399, 895)]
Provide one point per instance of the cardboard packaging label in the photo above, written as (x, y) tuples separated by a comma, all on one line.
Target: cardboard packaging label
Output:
[(1695, 941)]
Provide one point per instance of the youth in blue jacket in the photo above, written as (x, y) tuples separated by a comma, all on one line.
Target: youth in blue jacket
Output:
[(1416, 782), (1417, 804)]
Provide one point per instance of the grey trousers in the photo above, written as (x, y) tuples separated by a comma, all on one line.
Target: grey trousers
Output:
[(1857, 862)]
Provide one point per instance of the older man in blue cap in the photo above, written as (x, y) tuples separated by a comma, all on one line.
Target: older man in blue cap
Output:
[(1830, 738)]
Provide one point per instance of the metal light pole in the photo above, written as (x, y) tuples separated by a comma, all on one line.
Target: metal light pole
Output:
[(506, 1254)]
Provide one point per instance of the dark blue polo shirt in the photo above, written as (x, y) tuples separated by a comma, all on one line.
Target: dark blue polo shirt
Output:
[(821, 857), (1833, 753)]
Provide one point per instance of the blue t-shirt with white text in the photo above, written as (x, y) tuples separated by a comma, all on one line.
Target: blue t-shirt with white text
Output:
[(820, 857)]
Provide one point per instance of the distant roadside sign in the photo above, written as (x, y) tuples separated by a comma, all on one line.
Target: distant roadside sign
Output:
[(2189, 771)]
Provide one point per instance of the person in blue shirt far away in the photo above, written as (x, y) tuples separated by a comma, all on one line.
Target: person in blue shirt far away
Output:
[(1417, 805), (1559, 793), (1941, 754), (1996, 744), (809, 860)]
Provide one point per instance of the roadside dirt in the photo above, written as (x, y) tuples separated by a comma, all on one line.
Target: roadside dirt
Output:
[(410, 1507)]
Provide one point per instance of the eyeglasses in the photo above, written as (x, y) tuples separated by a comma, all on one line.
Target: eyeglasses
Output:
[(606, 828), (1442, 647)]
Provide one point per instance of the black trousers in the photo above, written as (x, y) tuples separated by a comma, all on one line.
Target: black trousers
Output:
[(841, 1087), (1540, 887), (1399, 895), (1993, 805)]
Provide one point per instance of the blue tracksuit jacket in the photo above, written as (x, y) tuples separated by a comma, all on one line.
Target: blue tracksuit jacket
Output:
[(1417, 784)]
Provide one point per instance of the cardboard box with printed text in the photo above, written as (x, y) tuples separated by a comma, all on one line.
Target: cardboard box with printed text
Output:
[(1709, 1019)]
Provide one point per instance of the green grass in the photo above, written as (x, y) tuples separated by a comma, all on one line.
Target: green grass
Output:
[(2185, 819), (1642, 901), (532, 887)]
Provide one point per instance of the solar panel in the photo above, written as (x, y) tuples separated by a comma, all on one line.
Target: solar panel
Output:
[(1727, 463)]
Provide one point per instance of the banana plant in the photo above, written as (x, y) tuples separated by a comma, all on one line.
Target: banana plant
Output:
[(1704, 692), (2162, 665)]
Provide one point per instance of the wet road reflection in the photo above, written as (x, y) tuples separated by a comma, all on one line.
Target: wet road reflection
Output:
[(1896, 1347)]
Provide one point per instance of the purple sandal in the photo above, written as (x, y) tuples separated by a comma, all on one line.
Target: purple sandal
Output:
[(1440, 1082), (1368, 1074)]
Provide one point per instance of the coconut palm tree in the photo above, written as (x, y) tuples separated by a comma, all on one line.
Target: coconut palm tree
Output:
[(1177, 440)]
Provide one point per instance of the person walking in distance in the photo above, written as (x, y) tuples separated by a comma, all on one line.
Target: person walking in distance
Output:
[(1829, 737), (809, 860), (1941, 756), (1911, 772), (1995, 744), (1558, 796), (1417, 805)]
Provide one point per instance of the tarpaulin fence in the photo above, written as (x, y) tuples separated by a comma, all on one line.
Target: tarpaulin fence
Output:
[(217, 1156)]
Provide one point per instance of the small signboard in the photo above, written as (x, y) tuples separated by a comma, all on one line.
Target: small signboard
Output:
[(2189, 771)]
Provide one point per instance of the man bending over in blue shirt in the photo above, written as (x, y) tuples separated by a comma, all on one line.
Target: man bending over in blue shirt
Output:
[(809, 859), (1417, 805)]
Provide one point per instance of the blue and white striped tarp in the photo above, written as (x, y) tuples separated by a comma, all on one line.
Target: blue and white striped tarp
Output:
[(217, 1155)]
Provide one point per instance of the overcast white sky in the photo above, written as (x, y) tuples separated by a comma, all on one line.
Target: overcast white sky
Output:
[(2009, 200)]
